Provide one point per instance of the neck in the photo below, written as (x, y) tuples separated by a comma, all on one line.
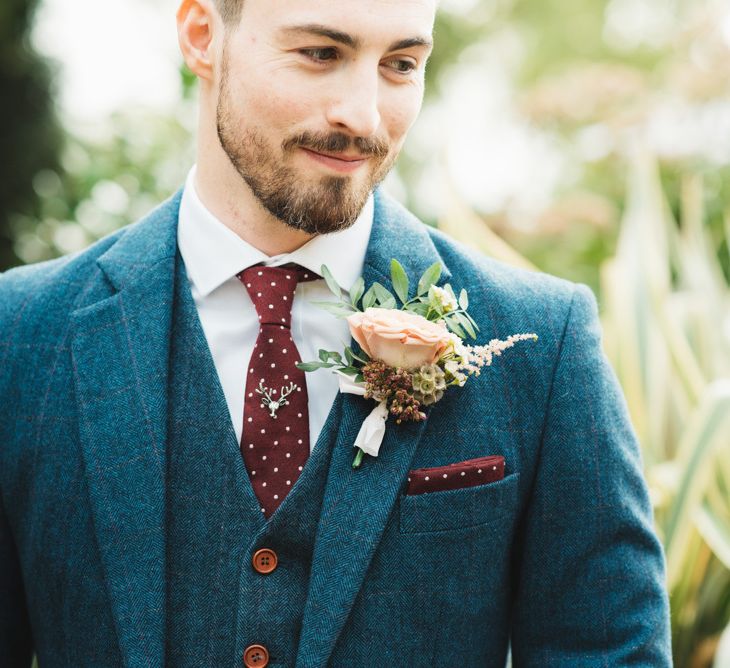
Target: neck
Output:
[(227, 196)]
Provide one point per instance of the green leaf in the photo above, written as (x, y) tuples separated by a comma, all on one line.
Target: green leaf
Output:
[(472, 321), (463, 299), (313, 366), (331, 282), (356, 291), (324, 355), (419, 308), (454, 326), (341, 310), (430, 276), (342, 304), (357, 357), (349, 356), (389, 303), (383, 294), (369, 298), (399, 279), (464, 322)]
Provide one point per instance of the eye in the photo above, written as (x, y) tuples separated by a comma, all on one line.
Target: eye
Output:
[(320, 55), (402, 66)]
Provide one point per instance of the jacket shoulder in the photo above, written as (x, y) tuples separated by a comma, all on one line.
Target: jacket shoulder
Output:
[(46, 291), (502, 287), (49, 285)]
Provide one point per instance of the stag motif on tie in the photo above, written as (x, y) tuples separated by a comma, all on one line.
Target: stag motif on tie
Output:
[(268, 400)]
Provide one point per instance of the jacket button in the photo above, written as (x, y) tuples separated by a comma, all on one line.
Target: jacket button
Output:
[(256, 656), (264, 560)]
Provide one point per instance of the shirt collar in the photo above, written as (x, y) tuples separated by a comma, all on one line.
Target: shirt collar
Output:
[(213, 253)]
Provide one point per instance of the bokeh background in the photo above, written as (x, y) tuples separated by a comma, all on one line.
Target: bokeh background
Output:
[(587, 139)]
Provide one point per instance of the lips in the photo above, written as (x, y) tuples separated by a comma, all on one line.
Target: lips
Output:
[(340, 156), (345, 164)]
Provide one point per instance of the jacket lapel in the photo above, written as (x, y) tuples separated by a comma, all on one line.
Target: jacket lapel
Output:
[(120, 347), (357, 503)]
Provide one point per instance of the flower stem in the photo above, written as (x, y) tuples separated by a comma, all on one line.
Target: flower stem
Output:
[(358, 459)]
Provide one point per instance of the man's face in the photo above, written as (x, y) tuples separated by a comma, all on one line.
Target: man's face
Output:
[(302, 78)]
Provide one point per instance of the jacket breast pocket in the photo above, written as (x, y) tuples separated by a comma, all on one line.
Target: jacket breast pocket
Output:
[(458, 508)]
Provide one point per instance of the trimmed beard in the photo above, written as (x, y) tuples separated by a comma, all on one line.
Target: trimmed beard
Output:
[(328, 205)]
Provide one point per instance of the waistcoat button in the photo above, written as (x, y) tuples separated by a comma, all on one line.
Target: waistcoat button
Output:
[(256, 656), (264, 560)]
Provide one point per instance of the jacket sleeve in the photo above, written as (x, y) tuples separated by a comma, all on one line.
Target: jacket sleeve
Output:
[(16, 644), (589, 580)]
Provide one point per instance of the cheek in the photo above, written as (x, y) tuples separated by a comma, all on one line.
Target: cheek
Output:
[(279, 109), (270, 102), (401, 112)]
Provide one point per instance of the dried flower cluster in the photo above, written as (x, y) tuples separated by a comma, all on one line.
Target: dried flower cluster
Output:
[(395, 387), (407, 356)]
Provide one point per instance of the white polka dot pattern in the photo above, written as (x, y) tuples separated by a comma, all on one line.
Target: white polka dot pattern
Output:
[(277, 438), (468, 473)]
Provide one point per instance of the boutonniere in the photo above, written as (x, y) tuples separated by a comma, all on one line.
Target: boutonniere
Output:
[(409, 355)]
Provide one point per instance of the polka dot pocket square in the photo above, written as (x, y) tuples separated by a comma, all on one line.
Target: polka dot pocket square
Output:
[(468, 473)]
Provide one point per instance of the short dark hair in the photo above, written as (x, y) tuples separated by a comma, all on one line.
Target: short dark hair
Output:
[(230, 11)]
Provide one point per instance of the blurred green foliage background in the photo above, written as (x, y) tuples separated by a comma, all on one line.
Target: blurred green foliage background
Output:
[(587, 139)]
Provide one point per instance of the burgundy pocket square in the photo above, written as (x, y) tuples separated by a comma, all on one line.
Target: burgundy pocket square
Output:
[(457, 475)]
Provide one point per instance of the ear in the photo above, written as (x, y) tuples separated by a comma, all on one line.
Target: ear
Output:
[(196, 20)]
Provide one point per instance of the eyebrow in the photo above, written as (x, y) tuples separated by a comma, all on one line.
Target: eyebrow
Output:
[(353, 42)]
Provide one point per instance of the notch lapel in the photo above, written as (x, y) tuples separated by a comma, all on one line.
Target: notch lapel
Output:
[(357, 503), (120, 349)]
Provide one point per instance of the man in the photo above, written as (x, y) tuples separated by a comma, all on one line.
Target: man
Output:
[(138, 521)]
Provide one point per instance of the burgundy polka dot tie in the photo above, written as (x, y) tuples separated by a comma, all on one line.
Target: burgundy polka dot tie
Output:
[(275, 437)]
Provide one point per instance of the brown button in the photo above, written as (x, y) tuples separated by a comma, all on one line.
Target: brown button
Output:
[(264, 560), (256, 656)]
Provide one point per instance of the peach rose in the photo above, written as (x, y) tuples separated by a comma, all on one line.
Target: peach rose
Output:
[(399, 338)]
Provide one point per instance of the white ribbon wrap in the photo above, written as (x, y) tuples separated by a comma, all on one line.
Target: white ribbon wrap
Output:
[(372, 430)]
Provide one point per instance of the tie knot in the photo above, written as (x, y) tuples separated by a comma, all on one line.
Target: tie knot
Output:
[(272, 290)]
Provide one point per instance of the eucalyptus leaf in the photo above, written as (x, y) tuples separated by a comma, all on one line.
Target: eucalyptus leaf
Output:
[(356, 291), (472, 321), (463, 299), (340, 310), (331, 282), (383, 294), (357, 357), (455, 327), (389, 303), (400, 280), (464, 322), (369, 298), (429, 278), (313, 366), (342, 304), (419, 308)]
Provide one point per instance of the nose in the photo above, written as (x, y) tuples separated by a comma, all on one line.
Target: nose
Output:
[(355, 107)]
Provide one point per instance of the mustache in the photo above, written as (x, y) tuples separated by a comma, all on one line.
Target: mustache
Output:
[(337, 142)]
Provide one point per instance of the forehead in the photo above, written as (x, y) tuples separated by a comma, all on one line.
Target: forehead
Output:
[(370, 21)]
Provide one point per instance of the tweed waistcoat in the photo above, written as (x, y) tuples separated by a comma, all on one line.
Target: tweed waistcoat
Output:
[(217, 603)]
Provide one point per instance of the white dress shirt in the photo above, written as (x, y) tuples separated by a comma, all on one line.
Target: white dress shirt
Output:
[(213, 255)]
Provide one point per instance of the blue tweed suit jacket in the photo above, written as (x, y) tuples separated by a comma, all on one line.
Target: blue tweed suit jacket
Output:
[(558, 560)]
